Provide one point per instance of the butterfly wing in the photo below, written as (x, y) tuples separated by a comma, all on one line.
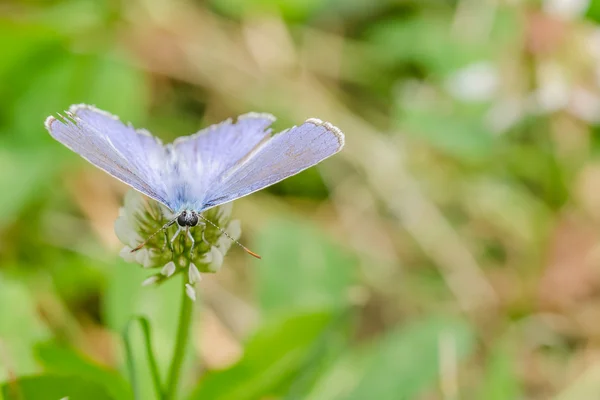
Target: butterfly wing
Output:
[(203, 157), (133, 156), (215, 166), (274, 159)]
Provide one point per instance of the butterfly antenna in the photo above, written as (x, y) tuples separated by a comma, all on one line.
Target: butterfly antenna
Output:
[(165, 226), (247, 250)]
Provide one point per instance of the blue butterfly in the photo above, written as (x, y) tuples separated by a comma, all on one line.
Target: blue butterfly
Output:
[(194, 173)]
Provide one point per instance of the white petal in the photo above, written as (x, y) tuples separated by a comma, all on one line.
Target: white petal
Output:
[(189, 290), (553, 91), (168, 269), (125, 232), (142, 257), (126, 254), (193, 274), (505, 114), (152, 253), (224, 212), (168, 214), (217, 259), (150, 281), (148, 260), (585, 104), (133, 204), (207, 257), (475, 82), (567, 9), (234, 229)]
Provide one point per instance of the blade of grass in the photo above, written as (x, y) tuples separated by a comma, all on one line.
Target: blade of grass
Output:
[(145, 325)]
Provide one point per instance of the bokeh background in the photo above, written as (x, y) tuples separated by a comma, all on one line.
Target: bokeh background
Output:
[(449, 252)]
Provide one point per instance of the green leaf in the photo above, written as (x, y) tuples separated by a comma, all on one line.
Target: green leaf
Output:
[(459, 134), (331, 344), (500, 380), (46, 92), (20, 328), (19, 42), (301, 269), (290, 9), (430, 40), (509, 207), (424, 40), (119, 88), (593, 11), (50, 387), (399, 365), (34, 168), (66, 361), (144, 324), (274, 354), (104, 79)]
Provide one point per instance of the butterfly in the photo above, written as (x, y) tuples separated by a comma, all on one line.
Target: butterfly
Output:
[(217, 165)]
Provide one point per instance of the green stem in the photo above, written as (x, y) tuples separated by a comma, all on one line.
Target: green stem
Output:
[(183, 330)]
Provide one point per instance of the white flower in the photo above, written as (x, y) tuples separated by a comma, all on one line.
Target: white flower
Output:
[(216, 259), (585, 104), (168, 269), (150, 281), (224, 213), (475, 82), (234, 229), (213, 259), (126, 254), (505, 113), (553, 90), (142, 257), (567, 9), (190, 291), (193, 274), (141, 221), (125, 232)]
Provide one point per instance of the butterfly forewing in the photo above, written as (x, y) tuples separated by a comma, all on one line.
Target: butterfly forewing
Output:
[(134, 157), (277, 158)]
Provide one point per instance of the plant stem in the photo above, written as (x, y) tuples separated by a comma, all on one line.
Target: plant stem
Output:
[(183, 330)]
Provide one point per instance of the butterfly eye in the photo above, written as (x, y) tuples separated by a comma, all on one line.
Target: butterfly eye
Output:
[(193, 220), (182, 219)]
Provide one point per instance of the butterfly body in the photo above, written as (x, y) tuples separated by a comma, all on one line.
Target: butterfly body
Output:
[(217, 165)]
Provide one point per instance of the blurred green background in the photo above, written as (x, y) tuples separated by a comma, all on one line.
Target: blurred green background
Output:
[(449, 252)]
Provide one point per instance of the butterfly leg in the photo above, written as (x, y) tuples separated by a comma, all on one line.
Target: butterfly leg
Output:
[(164, 227), (167, 243), (189, 234), (175, 235)]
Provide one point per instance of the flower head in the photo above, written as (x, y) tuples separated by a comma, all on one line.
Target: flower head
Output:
[(168, 256)]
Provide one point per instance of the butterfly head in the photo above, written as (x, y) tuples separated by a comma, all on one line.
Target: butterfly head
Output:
[(187, 218)]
